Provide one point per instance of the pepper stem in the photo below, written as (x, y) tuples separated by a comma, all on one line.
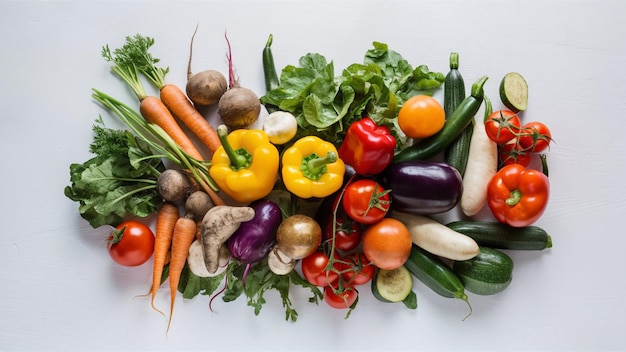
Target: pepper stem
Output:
[(515, 198), (313, 167), (239, 158)]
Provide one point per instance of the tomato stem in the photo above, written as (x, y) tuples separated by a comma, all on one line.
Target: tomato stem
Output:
[(376, 200), (116, 235), (515, 198)]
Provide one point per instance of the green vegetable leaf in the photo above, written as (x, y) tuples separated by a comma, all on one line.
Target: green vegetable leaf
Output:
[(192, 285), (259, 280), (325, 105), (119, 181)]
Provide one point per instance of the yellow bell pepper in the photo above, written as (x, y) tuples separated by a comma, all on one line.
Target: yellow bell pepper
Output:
[(311, 168), (245, 166)]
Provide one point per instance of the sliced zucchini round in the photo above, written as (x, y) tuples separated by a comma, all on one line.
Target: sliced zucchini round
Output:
[(392, 285), (514, 92)]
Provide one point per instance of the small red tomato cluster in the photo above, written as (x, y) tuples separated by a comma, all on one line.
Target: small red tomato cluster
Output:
[(516, 142), (518, 195), (340, 264)]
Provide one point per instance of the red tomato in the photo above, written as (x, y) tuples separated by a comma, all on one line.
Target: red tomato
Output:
[(387, 244), (535, 137), (131, 244), (502, 126), (314, 269), (347, 232), (340, 300), (356, 269), (512, 153), (366, 201)]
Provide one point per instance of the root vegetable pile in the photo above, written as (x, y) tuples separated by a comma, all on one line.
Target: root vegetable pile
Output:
[(342, 187)]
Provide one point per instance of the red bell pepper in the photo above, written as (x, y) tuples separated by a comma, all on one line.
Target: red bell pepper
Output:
[(518, 196), (367, 147)]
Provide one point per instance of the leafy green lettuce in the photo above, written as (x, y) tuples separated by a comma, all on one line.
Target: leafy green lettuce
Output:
[(325, 104)]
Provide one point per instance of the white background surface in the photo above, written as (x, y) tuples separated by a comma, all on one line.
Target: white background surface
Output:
[(59, 290)]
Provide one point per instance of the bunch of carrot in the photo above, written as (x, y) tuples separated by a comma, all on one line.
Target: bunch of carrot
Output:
[(133, 59), (174, 233)]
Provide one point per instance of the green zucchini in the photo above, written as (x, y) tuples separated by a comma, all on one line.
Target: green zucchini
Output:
[(454, 125), (488, 273), (514, 92), (453, 94), (502, 236), (392, 285), (436, 274), (269, 70)]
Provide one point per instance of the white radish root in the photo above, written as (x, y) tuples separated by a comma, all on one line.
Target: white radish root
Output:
[(482, 164), (437, 238)]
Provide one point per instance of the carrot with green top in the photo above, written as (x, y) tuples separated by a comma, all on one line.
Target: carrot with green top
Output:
[(172, 96), (125, 60)]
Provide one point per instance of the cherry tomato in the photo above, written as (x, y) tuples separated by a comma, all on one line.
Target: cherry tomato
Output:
[(314, 269), (535, 137), (340, 300), (366, 201), (513, 153), (356, 269), (502, 126), (347, 231), (131, 244), (347, 235), (421, 116)]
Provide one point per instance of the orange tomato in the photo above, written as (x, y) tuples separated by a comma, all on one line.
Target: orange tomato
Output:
[(421, 116), (387, 244)]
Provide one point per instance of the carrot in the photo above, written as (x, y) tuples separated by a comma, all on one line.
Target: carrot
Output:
[(171, 95), (155, 111), (176, 101), (131, 59), (166, 220), (183, 237)]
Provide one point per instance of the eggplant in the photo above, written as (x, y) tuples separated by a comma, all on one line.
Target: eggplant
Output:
[(254, 239), (423, 187)]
